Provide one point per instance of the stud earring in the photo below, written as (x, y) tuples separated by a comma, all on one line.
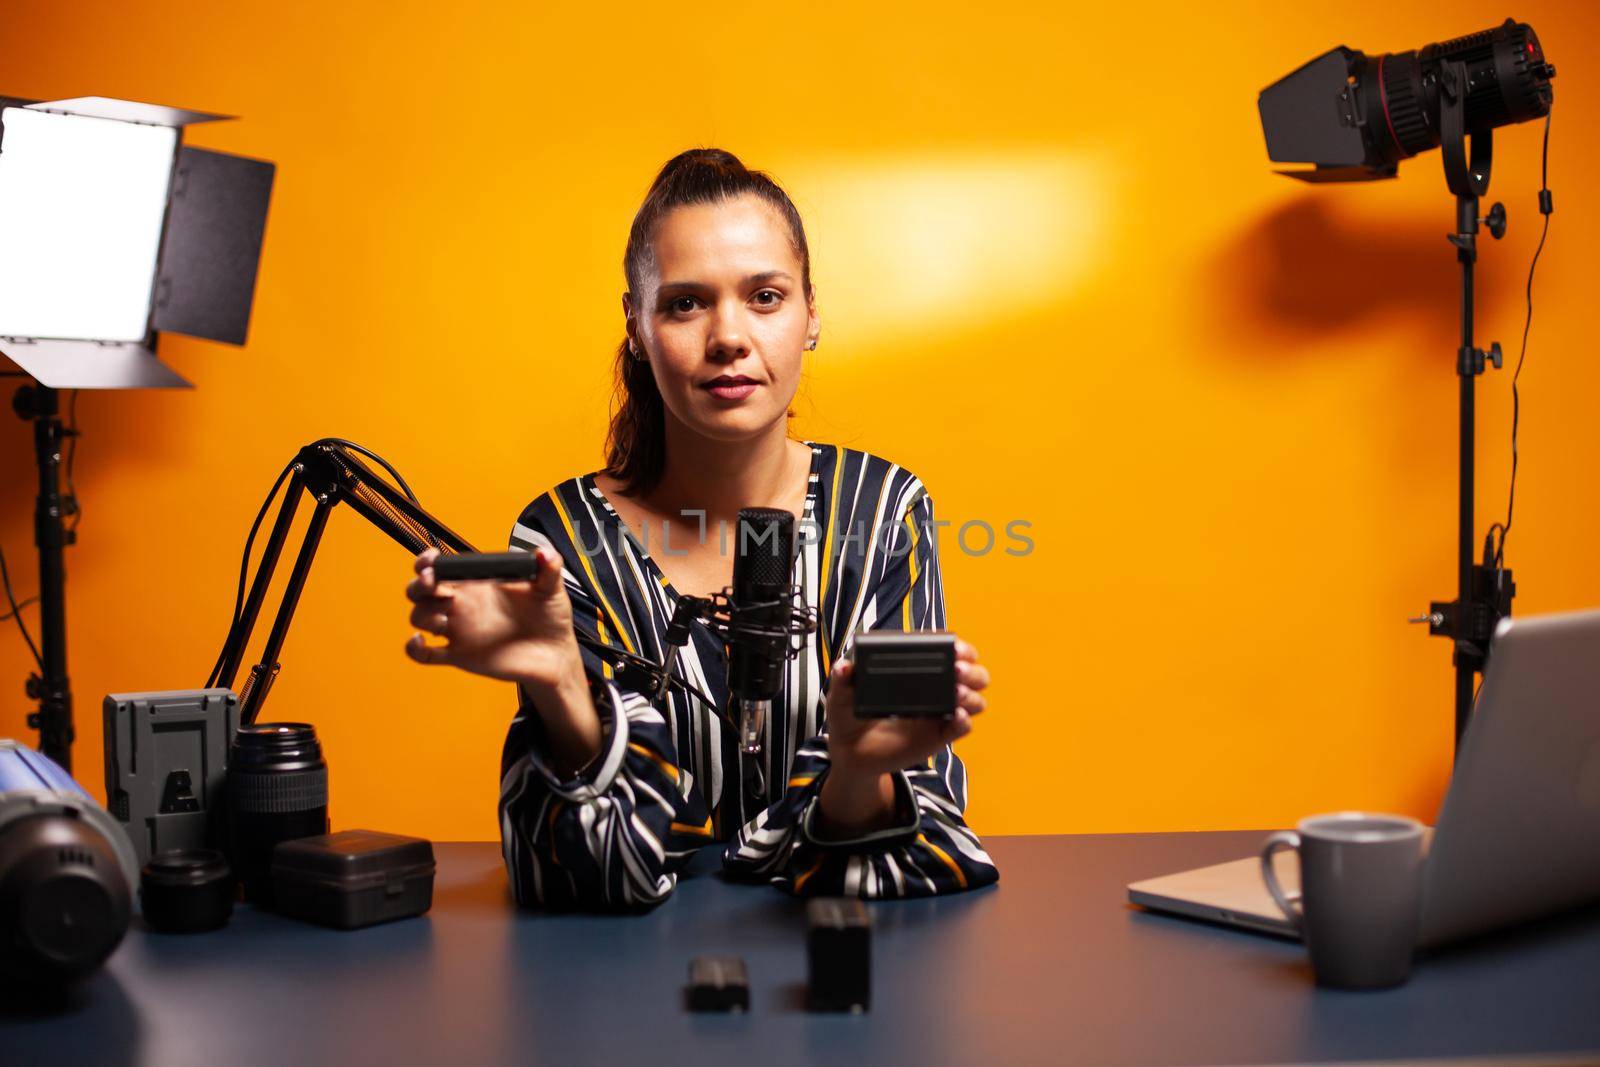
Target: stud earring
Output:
[(811, 344)]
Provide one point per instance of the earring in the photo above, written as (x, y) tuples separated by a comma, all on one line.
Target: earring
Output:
[(811, 344)]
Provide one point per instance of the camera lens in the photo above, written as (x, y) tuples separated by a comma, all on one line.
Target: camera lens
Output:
[(277, 791)]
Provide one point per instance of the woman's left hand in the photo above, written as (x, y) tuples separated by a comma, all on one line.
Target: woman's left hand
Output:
[(867, 748)]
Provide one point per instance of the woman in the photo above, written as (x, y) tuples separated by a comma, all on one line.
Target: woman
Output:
[(604, 793)]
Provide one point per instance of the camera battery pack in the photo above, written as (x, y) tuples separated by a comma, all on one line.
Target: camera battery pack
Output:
[(718, 983), (166, 762), (487, 567), (353, 878), (839, 955), (905, 674)]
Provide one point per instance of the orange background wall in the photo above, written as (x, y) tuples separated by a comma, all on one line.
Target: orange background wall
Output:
[(1057, 279)]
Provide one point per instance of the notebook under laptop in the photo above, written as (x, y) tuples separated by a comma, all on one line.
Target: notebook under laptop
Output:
[(1518, 834)]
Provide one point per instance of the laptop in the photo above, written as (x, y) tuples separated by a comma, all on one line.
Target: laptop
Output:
[(1518, 834)]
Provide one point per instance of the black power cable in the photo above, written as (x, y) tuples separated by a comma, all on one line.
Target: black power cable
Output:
[(1546, 207), (24, 602), (16, 611)]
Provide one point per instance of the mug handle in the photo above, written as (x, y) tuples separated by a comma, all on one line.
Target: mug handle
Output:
[(1280, 840)]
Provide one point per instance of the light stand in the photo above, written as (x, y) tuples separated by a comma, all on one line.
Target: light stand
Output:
[(332, 472), (1483, 591), (52, 689)]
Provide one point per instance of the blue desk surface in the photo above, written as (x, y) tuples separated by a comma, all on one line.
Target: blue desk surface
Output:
[(1050, 966)]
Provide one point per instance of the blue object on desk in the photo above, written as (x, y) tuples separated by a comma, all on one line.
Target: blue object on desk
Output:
[(67, 874)]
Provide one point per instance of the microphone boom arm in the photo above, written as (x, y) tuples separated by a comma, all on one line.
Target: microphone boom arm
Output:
[(332, 472)]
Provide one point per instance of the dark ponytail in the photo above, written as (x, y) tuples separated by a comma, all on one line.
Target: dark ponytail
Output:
[(636, 442)]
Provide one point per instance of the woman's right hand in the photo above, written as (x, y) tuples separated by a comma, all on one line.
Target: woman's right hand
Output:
[(515, 631)]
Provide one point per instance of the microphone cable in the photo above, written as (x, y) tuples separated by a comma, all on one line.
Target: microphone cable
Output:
[(244, 569)]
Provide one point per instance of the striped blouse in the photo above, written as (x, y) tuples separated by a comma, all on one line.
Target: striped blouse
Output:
[(670, 777)]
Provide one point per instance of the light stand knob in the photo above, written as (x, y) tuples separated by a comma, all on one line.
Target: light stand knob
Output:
[(1495, 221), (1476, 360)]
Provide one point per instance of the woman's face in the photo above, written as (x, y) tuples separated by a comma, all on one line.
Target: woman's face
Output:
[(723, 318)]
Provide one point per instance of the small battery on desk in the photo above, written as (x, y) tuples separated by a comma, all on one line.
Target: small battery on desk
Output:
[(718, 983), (839, 955)]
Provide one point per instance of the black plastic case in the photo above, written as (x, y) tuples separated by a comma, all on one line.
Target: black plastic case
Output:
[(353, 878)]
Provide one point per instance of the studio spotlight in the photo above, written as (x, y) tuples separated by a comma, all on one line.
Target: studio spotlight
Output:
[(1355, 117)]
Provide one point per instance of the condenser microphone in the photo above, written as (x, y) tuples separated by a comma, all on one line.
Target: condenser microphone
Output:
[(760, 616)]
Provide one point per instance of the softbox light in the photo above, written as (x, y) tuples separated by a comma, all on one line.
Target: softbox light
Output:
[(116, 231)]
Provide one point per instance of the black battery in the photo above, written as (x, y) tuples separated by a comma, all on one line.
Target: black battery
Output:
[(353, 878), (905, 674), (718, 983), (839, 955)]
